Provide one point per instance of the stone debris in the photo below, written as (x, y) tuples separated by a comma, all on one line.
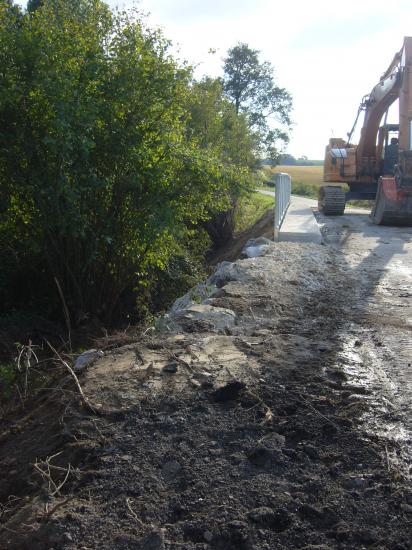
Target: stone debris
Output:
[(171, 367), (86, 358), (256, 247)]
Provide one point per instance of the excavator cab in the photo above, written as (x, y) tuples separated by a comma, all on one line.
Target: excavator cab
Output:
[(387, 149)]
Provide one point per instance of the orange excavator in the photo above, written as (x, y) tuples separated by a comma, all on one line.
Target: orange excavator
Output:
[(379, 168)]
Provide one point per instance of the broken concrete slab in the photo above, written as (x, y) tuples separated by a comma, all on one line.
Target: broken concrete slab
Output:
[(218, 317)]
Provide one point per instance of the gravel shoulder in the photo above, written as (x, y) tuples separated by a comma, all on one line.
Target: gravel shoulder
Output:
[(269, 410)]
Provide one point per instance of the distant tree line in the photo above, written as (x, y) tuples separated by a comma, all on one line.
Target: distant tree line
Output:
[(117, 168), (290, 160)]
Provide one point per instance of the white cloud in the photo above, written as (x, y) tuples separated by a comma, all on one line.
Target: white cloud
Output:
[(189, 10), (328, 54)]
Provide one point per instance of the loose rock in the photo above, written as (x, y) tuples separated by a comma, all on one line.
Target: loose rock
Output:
[(228, 392), (264, 457), (311, 451), (171, 367), (171, 468), (277, 520)]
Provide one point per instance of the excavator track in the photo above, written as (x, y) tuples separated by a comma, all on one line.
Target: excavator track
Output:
[(331, 200), (387, 212)]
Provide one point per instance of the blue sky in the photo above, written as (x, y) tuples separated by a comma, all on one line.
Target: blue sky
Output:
[(328, 54)]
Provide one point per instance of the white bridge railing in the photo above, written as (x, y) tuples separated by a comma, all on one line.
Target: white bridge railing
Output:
[(282, 200)]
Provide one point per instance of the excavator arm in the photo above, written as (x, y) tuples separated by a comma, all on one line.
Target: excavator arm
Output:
[(376, 104)]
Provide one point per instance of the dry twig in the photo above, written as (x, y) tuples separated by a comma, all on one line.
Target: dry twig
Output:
[(57, 506), (26, 353), (65, 310), (10, 506), (268, 411), (53, 488), (133, 513), (181, 361), (315, 410), (76, 380)]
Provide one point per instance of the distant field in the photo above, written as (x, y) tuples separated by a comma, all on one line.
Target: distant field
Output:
[(303, 174)]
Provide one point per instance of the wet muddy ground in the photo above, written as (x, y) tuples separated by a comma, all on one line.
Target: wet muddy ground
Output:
[(277, 418), (380, 258)]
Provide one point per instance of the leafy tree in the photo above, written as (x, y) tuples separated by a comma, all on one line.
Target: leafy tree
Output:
[(287, 159), (11, 7), (217, 128), (250, 85), (99, 176)]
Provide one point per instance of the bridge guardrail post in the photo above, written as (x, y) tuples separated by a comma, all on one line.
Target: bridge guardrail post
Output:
[(283, 187)]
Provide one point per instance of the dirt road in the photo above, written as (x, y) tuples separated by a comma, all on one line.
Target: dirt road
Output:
[(269, 410), (380, 261)]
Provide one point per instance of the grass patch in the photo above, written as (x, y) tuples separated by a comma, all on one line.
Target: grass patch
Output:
[(250, 208), (298, 188), (308, 190)]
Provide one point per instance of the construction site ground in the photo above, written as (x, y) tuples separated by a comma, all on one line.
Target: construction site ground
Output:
[(275, 414)]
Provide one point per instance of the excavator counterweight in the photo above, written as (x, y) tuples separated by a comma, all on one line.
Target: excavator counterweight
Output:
[(379, 167)]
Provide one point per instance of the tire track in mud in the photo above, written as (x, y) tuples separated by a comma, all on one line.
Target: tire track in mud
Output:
[(379, 260)]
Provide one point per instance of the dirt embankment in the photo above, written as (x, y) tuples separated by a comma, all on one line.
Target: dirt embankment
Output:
[(243, 430)]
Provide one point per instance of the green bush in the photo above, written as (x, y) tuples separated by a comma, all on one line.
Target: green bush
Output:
[(305, 189), (100, 178)]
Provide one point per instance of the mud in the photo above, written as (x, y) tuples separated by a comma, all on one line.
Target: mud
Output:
[(289, 429), (380, 258)]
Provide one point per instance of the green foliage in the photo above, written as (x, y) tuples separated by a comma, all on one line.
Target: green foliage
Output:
[(218, 129), (216, 126), (100, 175), (300, 188), (250, 209), (8, 376), (184, 270), (249, 83), (290, 160), (305, 189)]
